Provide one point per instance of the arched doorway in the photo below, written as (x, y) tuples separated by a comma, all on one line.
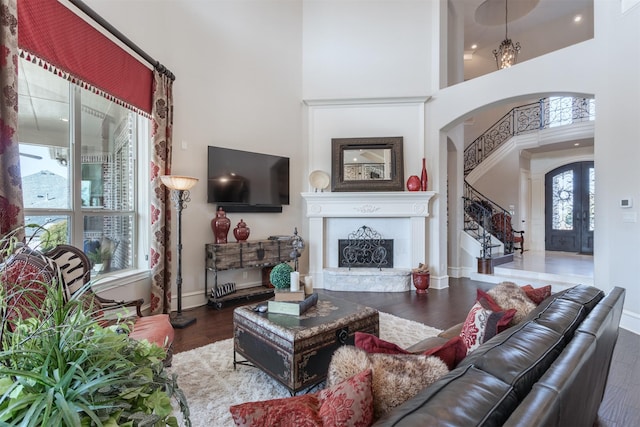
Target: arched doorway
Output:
[(569, 208)]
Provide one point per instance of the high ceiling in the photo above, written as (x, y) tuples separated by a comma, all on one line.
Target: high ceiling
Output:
[(541, 26)]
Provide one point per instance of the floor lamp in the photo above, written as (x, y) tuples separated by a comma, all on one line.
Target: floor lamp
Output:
[(179, 186)]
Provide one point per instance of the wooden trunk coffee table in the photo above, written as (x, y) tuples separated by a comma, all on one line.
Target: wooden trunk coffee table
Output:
[(296, 350)]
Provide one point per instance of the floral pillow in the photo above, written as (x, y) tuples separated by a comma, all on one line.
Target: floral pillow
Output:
[(25, 278), (348, 404), (484, 321)]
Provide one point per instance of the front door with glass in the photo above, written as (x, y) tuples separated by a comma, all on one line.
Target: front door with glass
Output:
[(569, 208)]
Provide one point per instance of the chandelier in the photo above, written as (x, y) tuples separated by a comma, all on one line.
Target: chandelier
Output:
[(507, 53)]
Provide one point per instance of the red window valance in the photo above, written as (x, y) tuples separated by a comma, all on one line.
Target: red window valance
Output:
[(55, 34)]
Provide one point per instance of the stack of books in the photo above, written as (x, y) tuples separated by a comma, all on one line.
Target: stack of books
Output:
[(292, 302)]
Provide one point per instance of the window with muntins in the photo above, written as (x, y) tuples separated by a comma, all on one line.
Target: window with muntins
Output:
[(78, 164)]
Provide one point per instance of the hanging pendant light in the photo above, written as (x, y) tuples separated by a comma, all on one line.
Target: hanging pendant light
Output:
[(507, 53)]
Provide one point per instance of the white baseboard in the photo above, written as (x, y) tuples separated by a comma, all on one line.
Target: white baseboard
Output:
[(630, 321)]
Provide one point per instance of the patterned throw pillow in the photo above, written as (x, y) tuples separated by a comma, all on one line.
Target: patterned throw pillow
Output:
[(26, 277), (483, 323), (288, 412), (348, 404), (537, 295)]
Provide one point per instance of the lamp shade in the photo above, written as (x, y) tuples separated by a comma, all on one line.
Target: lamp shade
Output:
[(178, 182)]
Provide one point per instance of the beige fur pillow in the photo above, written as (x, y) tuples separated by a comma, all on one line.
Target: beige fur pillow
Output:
[(508, 295), (396, 377)]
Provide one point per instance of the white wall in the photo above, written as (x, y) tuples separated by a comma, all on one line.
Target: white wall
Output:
[(617, 152), (366, 49), (238, 85), (243, 67)]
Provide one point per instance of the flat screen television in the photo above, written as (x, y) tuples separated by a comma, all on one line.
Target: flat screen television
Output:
[(243, 181)]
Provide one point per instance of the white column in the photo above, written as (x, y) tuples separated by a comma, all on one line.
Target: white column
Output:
[(316, 246)]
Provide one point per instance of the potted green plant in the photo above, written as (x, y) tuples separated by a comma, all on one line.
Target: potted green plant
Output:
[(99, 258), (59, 366)]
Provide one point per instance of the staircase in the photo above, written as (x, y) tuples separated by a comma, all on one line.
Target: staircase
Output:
[(478, 212), (478, 209)]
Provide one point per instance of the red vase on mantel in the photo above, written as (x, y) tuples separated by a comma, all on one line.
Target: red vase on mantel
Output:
[(413, 183), (220, 226), (424, 180)]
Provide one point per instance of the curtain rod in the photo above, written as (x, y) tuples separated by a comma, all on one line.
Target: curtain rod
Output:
[(131, 45)]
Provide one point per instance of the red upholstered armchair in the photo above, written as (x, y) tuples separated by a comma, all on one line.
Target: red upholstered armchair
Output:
[(75, 269), (501, 228)]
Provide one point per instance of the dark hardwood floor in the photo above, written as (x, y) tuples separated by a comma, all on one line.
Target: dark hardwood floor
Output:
[(442, 308)]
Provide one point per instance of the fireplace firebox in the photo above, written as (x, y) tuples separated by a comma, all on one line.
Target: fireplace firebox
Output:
[(365, 248)]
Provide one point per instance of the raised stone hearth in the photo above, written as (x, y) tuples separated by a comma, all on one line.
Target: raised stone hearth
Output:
[(367, 279), (397, 215)]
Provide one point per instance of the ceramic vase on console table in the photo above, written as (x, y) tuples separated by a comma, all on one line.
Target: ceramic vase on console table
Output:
[(241, 232), (220, 226)]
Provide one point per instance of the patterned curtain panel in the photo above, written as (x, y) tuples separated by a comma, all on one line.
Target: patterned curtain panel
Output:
[(162, 122), (11, 207)]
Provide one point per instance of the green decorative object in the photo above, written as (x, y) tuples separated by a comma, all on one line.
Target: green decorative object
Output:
[(281, 275)]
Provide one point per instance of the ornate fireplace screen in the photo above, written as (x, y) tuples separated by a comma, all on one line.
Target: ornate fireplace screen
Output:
[(365, 248)]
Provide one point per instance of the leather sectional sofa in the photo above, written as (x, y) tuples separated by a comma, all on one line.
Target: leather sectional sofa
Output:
[(549, 370)]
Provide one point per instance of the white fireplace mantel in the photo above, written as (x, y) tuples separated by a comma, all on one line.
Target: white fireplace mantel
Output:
[(408, 205)]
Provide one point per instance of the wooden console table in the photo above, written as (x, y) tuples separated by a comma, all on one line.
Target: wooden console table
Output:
[(247, 254)]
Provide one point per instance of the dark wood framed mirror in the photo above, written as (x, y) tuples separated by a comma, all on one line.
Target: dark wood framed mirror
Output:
[(367, 164)]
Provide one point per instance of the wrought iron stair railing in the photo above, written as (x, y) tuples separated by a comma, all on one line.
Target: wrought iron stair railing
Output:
[(479, 213), (544, 114)]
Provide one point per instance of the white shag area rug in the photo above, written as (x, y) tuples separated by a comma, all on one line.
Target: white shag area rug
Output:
[(211, 385)]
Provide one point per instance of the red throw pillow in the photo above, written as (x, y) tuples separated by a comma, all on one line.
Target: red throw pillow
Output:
[(483, 323), (537, 295), (347, 404), (488, 300), (451, 352), (372, 344), (287, 412)]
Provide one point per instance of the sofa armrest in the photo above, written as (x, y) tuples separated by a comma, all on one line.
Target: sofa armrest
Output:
[(426, 344), (431, 342), (453, 331)]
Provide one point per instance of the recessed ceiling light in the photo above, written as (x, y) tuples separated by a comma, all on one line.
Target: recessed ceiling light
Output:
[(577, 18), (474, 46), (577, 144)]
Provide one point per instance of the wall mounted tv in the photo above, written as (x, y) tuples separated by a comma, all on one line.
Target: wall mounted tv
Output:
[(242, 181)]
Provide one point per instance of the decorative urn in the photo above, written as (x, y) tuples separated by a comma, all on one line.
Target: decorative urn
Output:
[(241, 232), (220, 226)]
